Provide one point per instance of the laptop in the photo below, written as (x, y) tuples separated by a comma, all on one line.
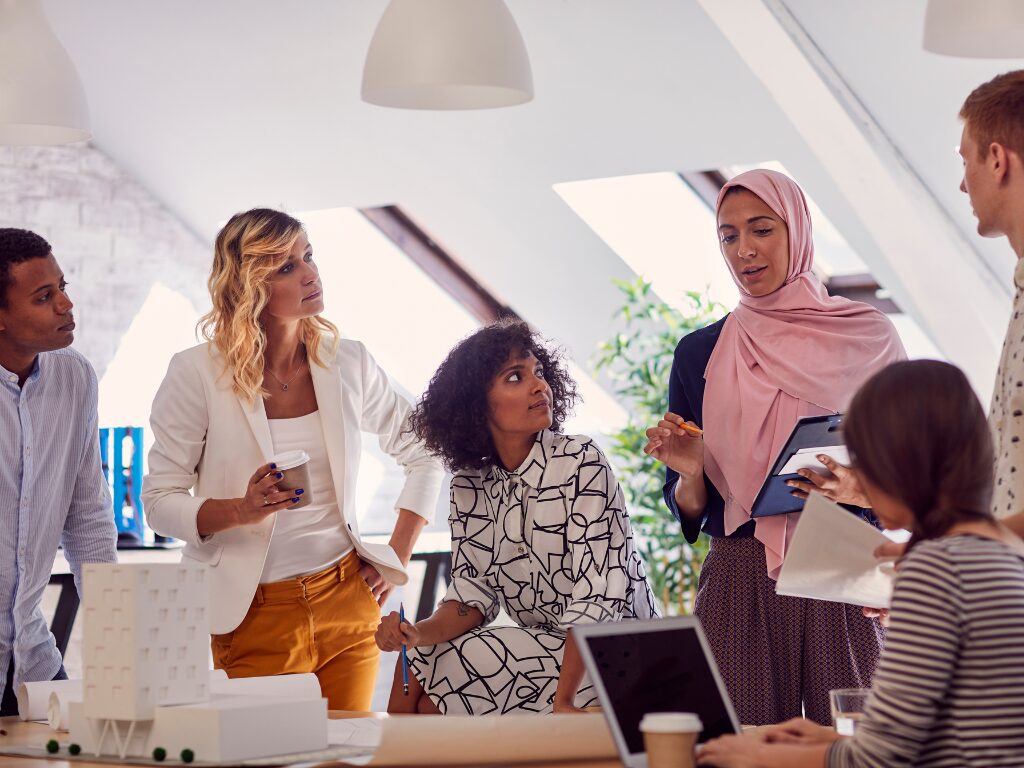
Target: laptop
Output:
[(660, 665)]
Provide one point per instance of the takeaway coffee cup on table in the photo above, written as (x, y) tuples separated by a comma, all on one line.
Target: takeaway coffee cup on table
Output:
[(294, 465), (670, 738)]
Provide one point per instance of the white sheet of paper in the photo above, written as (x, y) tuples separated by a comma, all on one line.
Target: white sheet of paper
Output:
[(34, 698), (355, 732), (806, 458), (831, 557)]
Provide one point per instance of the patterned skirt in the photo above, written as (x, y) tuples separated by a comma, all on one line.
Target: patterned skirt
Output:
[(495, 671), (779, 656)]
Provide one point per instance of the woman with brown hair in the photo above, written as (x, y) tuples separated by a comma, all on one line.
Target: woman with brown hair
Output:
[(949, 690), (293, 588)]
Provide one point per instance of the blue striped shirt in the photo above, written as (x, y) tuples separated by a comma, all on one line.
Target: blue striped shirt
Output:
[(52, 492)]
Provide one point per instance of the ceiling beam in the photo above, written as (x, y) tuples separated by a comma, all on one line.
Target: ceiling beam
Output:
[(862, 287), (440, 265), (931, 268)]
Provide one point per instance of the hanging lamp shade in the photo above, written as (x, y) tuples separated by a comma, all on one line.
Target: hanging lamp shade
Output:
[(447, 54), (978, 29), (41, 96)]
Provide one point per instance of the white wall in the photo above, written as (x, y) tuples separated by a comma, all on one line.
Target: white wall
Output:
[(113, 239)]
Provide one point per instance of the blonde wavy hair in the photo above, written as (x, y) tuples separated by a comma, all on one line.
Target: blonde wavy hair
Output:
[(248, 250)]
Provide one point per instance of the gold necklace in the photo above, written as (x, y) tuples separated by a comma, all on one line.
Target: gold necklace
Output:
[(284, 384)]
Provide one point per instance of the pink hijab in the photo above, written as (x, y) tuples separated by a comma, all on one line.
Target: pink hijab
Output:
[(795, 352)]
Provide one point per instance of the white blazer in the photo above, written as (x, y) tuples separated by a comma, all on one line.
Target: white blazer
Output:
[(210, 440)]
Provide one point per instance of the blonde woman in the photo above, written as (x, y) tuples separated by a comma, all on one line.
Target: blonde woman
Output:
[(292, 588)]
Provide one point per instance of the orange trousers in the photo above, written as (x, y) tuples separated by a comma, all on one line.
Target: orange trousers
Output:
[(322, 623)]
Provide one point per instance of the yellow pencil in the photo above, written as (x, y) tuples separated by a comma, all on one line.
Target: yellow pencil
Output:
[(689, 428)]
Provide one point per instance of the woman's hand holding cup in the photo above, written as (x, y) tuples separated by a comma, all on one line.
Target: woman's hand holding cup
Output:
[(263, 497), (676, 447)]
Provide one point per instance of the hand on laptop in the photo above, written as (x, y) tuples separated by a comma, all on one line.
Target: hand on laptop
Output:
[(798, 731)]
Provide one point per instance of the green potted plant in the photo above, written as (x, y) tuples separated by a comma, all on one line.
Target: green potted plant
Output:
[(638, 360)]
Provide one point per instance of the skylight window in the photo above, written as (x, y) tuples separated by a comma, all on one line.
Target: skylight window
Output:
[(663, 230)]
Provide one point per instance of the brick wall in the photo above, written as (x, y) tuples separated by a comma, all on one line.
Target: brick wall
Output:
[(113, 239)]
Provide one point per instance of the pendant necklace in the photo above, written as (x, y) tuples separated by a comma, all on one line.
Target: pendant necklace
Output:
[(284, 384)]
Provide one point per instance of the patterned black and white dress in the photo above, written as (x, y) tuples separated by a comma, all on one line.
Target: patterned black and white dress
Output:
[(551, 544)]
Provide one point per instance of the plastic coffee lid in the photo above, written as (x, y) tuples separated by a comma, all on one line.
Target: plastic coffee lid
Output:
[(670, 722), (290, 459)]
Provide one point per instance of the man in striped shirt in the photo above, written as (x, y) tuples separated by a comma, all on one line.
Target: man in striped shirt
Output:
[(52, 490)]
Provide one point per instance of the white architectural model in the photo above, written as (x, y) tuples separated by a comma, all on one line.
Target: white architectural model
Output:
[(146, 682)]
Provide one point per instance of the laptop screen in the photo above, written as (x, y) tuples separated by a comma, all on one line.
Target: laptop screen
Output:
[(664, 670)]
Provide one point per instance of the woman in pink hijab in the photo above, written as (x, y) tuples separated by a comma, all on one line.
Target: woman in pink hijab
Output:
[(787, 350)]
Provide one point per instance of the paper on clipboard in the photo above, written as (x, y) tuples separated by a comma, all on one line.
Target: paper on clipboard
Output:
[(831, 557), (806, 458)]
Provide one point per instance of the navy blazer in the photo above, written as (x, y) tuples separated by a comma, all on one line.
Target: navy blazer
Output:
[(686, 398)]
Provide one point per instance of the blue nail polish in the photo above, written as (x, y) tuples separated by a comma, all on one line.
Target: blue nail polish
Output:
[(273, 466), (295, 499), (300, 491), (279, 475)]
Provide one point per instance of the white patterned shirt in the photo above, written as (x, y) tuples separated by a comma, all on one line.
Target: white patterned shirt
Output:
[(1006, 414), (52, 493), (550, 543)]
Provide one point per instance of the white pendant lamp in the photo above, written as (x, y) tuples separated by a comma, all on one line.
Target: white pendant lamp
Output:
[(447, 54), (41, 96), (978, 29)]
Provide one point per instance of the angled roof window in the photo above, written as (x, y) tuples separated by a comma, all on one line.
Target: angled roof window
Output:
[(663, 228)]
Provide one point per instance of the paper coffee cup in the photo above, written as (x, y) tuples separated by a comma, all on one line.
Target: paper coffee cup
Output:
[(670, 738), (294, 465)]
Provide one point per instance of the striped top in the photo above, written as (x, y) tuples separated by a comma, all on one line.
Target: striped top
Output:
[(949, 690), (52, 492)]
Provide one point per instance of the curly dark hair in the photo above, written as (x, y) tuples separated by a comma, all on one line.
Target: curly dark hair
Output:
[(16, 246), (451, 417)]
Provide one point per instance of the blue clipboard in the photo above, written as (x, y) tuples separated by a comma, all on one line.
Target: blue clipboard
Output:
[(775, 497)]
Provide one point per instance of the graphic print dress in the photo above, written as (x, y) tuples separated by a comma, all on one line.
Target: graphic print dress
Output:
[(550, 544)]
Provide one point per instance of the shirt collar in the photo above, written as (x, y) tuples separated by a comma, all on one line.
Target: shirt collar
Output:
[(531, 471), (12, 377)]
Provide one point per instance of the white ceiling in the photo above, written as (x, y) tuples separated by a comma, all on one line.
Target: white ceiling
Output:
[(220, 105)]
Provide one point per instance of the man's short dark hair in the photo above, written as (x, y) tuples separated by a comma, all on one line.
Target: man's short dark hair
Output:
[(16, 246)]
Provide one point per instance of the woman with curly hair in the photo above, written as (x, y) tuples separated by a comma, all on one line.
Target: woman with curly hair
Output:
[(539, 529), (293, 588)]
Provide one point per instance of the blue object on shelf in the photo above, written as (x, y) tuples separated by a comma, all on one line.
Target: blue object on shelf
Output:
[(126, 479)]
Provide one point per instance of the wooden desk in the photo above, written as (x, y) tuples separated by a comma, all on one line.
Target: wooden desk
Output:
[(19, 733)]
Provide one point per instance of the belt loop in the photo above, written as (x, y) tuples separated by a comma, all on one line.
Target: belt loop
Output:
[(341, 571), (259, 594)]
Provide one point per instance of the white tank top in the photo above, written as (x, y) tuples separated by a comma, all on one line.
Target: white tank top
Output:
[(306, 540)]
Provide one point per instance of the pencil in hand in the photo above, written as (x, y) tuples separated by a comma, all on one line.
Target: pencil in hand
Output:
[(681, 423), (405, 657)]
